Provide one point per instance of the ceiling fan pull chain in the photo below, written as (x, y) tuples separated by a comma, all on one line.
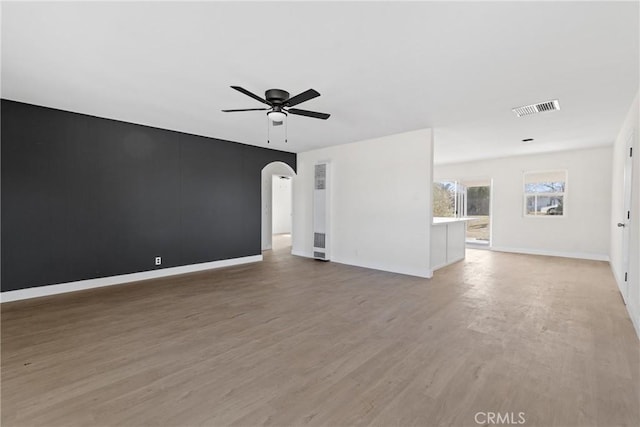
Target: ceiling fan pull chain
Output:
[(268, 131), (286, 129)]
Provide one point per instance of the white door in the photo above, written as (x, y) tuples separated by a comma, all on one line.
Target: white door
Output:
[(624, 223)]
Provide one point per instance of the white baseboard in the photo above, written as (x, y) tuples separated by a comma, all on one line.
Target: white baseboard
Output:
[(41, 291), (631, 310), (426, 274), (416, 272), (446, 264), (635, 320), (577, 255), (619, 283)]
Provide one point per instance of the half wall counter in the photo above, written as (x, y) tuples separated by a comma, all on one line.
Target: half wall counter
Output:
[(448, 236)]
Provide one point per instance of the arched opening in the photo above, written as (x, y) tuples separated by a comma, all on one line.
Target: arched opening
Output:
[(277, 186)]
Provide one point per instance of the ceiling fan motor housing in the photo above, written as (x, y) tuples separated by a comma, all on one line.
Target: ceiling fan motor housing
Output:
[(281, 103), (276, 96)]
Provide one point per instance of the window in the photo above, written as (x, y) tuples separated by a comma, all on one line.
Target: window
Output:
[(545, 193), (448, 199)]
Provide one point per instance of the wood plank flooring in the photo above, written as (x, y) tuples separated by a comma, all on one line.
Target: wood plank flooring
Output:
[(292, 342)]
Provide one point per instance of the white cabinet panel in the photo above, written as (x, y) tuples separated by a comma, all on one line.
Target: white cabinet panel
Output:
[(448, 237), (455, 241), (438, 246)]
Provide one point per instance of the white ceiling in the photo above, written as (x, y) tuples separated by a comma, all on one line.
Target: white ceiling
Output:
[(381, 67)]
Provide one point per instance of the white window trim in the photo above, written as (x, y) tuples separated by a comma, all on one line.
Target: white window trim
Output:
[(564, 194), (456, 199)]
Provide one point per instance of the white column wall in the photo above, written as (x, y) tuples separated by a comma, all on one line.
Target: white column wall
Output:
[(380, 202)]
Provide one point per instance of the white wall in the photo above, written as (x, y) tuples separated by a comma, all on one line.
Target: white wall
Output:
[(583, 232), (281, 205), (275, 168), (380, 202), (620, 150)]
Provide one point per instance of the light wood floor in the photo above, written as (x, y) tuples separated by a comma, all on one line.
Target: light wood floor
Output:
[(293, 341)]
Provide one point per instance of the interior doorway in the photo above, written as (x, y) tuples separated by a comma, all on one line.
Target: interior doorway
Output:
[(281, 220), (272, 198)]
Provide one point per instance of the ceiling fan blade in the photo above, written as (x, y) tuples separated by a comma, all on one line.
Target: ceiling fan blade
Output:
[(302, 97), (246, 109), (253, 95), (314, 114)]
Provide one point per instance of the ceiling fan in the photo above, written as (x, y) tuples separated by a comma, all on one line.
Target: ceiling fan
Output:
[(280, 104)]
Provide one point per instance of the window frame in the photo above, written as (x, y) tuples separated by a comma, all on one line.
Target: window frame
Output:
[(459, 197), (526, 195)]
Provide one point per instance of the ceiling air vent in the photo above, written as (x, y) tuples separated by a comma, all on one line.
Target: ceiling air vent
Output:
[(537, 108)]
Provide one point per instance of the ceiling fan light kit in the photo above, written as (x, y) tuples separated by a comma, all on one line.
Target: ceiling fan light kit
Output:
[(276, 116), (280, 105)]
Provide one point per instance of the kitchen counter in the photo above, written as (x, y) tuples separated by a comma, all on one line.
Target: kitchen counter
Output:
[(447, 220), (448, 241)]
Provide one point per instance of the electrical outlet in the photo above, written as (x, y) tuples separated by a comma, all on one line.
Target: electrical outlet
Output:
[(158, 260)]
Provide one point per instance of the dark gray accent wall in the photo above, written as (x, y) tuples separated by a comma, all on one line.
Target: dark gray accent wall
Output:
[(85, 197)]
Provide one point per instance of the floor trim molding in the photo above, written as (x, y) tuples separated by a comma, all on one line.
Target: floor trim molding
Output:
[(424, 273), (627, 304), (578, 255), (635, 322), (300, 253), (41, 291)]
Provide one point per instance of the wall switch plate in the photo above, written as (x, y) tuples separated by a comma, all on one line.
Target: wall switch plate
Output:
[(158, 260)]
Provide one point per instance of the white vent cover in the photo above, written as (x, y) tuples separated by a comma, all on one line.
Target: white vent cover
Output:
[(321, 238), (540, 107)]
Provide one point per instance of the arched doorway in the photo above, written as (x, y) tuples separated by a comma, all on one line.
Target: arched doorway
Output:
[(277, 170)]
